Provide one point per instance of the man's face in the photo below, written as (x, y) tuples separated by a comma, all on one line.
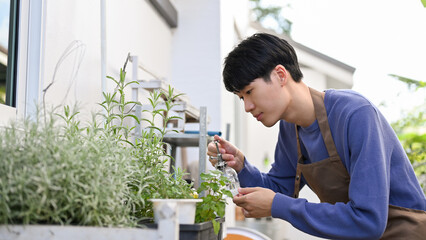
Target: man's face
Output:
[(265, 100)]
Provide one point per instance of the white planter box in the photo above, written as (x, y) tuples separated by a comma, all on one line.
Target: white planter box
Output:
[(51, 232), (168, 228)]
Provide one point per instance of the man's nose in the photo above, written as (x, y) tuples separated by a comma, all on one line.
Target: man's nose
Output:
[(248, 105)]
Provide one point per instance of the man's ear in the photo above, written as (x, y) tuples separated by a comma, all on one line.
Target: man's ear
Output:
[(282, 73)]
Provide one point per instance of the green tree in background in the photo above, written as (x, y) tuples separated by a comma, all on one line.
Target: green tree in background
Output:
[(273, 14), (411, 131), (2, 94)]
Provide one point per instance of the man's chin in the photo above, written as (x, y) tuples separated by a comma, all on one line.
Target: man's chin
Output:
[(269, 124)]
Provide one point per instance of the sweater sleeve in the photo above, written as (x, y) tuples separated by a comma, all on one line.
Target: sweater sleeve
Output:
[(281, 176), (365, 215)]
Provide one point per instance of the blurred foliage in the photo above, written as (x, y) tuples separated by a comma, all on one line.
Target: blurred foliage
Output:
[(416, 84), (411, 131), (262, 13), (2, 94), (424, 3)]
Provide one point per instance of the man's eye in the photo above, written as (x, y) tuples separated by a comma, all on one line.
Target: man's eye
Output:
[(248, 92)]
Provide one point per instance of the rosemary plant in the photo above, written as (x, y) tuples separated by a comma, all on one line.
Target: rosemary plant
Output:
[(62, 175)]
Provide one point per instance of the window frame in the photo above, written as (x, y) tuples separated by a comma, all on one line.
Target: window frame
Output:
[(28, 59), (12, 53)]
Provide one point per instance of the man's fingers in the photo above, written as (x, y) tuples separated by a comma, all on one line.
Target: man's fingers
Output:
[(228, 157), (239, 199), (245, 191), (245, 213), (212, 153), (213, 161), (211, 148), (223, 144)]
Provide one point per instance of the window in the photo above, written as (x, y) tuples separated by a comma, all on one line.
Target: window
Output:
[(8, 53)]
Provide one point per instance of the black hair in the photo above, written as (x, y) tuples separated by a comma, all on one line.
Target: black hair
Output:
[(256, 57)]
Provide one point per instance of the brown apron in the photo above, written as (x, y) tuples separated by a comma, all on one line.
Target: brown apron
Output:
[(329, 179)]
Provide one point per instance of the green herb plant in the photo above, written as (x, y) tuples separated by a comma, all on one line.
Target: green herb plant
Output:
[(52, 173), (214, 201), (150, 179), (174, 187), (56, 170), (115, 112)]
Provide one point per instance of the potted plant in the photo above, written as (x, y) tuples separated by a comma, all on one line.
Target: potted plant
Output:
[(180, 192), (210, 210)]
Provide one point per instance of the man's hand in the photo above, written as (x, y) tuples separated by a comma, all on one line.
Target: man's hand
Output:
[(232, 155), (256, 202)]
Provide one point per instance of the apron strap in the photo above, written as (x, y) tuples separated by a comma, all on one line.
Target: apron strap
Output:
[(321, 116), (299, 151)]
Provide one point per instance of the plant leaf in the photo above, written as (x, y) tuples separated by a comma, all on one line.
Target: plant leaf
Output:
[(216, 226)]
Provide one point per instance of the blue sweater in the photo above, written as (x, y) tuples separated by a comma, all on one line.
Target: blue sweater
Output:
[(380, 171)]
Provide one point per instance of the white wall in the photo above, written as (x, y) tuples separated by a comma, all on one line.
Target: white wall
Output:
[(131, 26), (325, 67), (7, 114), (195, 59), (66, 22), (314, 79), (134, 26)]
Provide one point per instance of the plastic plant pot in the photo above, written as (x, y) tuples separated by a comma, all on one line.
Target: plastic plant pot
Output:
[(186, 209)]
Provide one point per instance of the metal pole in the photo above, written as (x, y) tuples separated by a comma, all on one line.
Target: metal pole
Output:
[(202, 147), (103, 47)]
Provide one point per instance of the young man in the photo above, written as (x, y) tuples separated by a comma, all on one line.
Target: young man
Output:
[(336, 142)]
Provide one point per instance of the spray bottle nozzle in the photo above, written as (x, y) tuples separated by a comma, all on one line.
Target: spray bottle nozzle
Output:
[(233, 185), (221, 164)]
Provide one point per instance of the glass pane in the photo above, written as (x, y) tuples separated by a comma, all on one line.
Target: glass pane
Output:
[(4, 39)]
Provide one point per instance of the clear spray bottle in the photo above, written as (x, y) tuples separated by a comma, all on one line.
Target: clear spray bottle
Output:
[(228, 172)]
